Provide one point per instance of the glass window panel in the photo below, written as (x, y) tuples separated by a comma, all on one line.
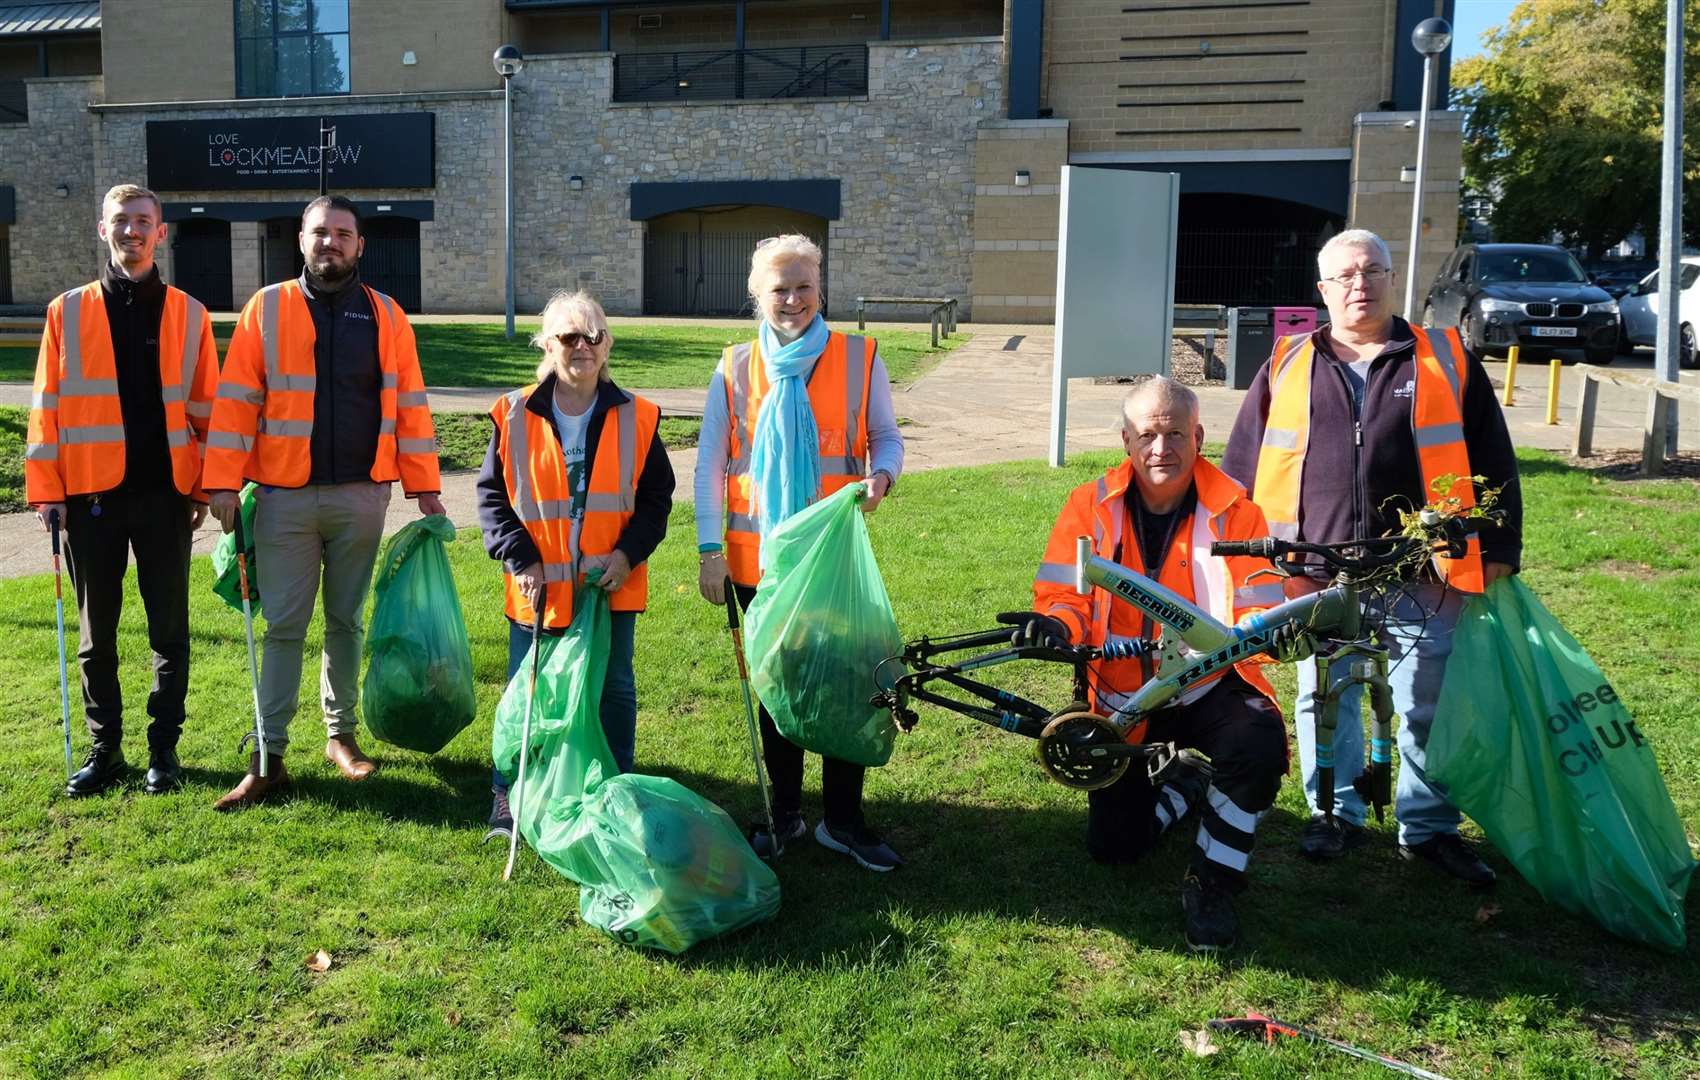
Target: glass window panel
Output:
[(253, 18), (330, 64), (294, 68), (330, 16), (255, 74), (294, 15)]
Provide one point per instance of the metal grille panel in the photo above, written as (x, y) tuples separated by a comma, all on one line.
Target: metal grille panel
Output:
[(731, 74)]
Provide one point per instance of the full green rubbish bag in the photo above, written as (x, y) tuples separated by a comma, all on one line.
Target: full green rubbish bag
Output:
[(418, 689), (227, 583), (657, 865), (1533, 743), (818, 627)]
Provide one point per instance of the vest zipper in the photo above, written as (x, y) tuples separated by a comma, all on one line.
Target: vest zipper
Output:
[(1359, 498)]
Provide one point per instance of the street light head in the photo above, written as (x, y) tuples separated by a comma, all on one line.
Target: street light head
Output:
[(1432, 36), (509, 60)]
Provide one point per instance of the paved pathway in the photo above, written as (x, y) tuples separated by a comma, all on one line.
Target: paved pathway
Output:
[(987, 401)]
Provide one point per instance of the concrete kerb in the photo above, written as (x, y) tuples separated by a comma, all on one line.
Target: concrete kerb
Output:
[(988, 401)]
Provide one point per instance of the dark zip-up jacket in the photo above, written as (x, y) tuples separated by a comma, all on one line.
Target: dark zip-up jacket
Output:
[(347, 391), (1360, 471), (505, 536), (133, 313)]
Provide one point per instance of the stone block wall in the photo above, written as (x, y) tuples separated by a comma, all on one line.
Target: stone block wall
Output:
[(1382, 145), (54, 246), (1015, 227), (904, 155)]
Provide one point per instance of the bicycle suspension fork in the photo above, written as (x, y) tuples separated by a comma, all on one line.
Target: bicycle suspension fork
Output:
[(1367, 667)]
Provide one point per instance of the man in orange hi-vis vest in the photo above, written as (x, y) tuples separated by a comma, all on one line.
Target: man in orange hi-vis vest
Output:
[(1341, 429), (322, 404), (123, 388)]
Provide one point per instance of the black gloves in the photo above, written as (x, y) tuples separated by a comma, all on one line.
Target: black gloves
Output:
[(1033, 630)]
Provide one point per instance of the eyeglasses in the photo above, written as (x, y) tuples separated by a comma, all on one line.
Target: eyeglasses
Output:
[(574, 339), (1375, 275)]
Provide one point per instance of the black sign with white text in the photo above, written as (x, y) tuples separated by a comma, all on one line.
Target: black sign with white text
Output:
[(379, 150)]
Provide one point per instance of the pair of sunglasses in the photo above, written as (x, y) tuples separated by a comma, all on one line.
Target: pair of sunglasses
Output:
[(573, 339)]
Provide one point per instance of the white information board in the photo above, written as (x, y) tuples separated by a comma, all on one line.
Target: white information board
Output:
[(1115, 279)]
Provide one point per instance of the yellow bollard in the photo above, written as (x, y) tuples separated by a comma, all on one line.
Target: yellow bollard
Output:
[(1511, 377), (1552, 390)]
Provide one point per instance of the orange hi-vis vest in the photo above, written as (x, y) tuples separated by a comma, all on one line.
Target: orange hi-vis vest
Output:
[(1437, 427), (1218, 584), (262, 426), (538, 489), (838, 395), (76, 423)]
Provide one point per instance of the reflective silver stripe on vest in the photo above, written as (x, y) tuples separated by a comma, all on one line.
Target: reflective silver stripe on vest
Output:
[(846, 466), (1438, 435), (1440, 343), (389, 380), (201, 409), (93, 433), (229, 440), (556, 572), (386, 426), (270, 298), (1280, 438), (297, 429), (177, 438), (1284, 363), (1284, 530), (416, 446), (42, 400), (736, 522), (232, 391), (411, 399), (741, 405), (191, 348), (72, 383), (36, 451), (1055, 573), (525, 504), (856, 356)]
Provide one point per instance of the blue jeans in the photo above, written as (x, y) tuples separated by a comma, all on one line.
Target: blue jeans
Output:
[(1417, 644), (619, 691)]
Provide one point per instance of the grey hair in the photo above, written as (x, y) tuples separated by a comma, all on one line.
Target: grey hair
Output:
[(1163, 391), (1361, 239), (566, 310)]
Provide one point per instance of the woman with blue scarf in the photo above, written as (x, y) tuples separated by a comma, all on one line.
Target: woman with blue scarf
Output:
[(792, 416)]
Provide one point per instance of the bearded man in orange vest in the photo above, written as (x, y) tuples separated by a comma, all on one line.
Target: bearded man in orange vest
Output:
[(1341, 429), (123, 388), (322, 404), (1157, 513)]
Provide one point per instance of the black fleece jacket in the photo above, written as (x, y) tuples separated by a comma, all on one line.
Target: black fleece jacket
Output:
[(1356, 478), (505, 536), (133, 312)]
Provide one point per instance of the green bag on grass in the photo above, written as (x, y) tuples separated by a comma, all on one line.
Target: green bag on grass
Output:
[(657, 865), (820, 624), (1532, 742), (227, 583), (418, 690)]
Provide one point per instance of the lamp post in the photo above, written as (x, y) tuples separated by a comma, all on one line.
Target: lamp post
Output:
[(508, 61), (1430, 38)]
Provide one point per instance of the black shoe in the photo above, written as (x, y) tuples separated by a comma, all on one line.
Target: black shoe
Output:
[(1329, 838), (860, 844), (1207, 903), (165, 773), (1448, 853), (501, 818), (770, 844), (101, 769)]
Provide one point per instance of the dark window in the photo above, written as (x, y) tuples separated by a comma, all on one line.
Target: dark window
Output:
[(1689, 273), (291, 48)]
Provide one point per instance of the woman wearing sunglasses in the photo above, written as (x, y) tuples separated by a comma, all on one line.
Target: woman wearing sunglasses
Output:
[(575, 479), (792, 416)]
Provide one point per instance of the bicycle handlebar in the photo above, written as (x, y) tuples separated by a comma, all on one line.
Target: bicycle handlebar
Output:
[(1372, 554)]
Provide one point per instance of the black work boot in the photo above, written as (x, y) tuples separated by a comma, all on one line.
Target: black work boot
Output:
[(1207, 902), (165, 773), (101, 769)]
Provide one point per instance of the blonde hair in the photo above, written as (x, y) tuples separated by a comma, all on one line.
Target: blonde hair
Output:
[(120, 194), (1359, 239), (775, 250), (568, 310)]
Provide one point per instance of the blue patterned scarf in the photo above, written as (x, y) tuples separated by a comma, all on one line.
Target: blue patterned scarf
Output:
[(785, 451)]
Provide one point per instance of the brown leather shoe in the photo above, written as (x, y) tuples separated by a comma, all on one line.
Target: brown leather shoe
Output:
[(343, 752), (254, 788)]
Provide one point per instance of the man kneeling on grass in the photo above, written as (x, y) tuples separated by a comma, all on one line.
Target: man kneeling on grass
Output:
[(1157, 513)]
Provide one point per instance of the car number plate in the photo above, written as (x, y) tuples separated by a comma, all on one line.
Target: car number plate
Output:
[(1555, 331)]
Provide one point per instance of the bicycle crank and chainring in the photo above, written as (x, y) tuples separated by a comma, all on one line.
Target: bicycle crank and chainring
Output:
[(1072, 751)]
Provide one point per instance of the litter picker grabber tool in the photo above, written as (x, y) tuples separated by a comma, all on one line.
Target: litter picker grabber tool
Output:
[(525, 729), (248, 627), (59, 622), (1256, 1025), (776, 843)]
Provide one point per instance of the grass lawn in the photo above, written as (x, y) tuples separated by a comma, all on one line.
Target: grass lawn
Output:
[(150, 936), (463, 437), (14, 431), (17, 363)]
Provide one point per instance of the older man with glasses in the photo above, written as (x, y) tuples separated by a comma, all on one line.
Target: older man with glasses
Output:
[(1342, 429)]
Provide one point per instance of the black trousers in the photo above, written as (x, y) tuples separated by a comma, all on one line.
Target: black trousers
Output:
[(100, 533), (1243, 734), (841, 781)]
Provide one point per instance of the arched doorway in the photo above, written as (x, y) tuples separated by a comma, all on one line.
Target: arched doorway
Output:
[(697, 262), (1249, 250)]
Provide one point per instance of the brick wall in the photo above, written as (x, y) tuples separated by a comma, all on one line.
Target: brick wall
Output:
[(1382, 145), (1015, 227), (53, 244)]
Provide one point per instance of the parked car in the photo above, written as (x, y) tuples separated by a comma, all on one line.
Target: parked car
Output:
[(1640, 311), (1533, 295), (1620, 280)]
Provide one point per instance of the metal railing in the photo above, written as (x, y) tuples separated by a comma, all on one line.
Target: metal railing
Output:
[(806, 71)]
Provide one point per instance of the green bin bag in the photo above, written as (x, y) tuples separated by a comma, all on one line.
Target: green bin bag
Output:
[(418, 690), (657, 865), (227, 582), (819, 625), (1531, 741)]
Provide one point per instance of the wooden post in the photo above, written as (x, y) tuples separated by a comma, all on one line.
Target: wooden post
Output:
[(1553, 370), (1653, 436), (861, 313), (1511, 376), (1587, 400)]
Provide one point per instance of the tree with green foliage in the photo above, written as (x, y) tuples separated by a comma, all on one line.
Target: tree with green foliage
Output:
[(1565, 121)]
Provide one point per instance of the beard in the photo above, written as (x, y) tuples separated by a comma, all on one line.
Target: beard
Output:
[(332, 272)]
